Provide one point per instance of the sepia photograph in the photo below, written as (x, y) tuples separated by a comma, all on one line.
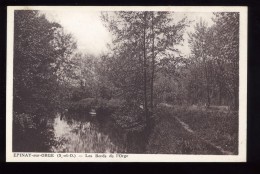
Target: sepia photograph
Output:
[(166, 82)]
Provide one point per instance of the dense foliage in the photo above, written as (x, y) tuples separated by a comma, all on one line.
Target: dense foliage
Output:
[(143, 44), (214, 69), (41, 63), (143, 69)]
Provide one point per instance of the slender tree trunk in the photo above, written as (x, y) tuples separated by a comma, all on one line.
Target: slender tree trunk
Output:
[(208, 92), (153, 63), (207, 82), (221, 82), (145, 69)]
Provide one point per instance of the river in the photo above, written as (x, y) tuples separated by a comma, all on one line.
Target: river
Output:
[(85, 135)]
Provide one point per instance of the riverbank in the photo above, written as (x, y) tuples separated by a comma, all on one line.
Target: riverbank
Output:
[(183, 131), (177, 130)]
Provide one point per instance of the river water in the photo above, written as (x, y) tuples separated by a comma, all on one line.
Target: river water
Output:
[(85, 135)]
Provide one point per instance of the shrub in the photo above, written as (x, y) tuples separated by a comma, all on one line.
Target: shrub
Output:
[(31, 133), (128, 114)]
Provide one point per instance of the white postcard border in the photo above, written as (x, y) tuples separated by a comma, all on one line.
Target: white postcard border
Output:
[(81, 157)]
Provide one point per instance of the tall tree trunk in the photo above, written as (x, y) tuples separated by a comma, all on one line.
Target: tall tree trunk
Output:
[(153, 63), (207, 81), (145, 69), (208, 92), (221, 82)]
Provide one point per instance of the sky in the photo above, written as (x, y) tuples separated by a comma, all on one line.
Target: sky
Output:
[(194, 18), (86, 27), (92, 36)]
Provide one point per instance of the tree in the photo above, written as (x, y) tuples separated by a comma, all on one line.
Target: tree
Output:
[(43, 68), (33, 55), (199, 43), (217, 49), (42, 61), (127, 59), (140, 41), (227, 25)]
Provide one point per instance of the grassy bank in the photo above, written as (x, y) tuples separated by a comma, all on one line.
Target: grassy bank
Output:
[(178, 130), (210, 132)]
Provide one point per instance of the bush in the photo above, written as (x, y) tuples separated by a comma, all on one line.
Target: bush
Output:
[(105, 108), (31, 133), (82, 106), (128, 115)]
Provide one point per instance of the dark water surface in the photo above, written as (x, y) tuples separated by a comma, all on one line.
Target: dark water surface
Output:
[(85, 134)]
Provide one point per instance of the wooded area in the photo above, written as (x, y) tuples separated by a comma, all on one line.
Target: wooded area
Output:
[(141, 76)]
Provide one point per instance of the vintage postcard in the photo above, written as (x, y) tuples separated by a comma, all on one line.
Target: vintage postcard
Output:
[(126, 84)]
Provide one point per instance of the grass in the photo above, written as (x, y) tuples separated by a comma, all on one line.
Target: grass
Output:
[(219, 128), (210, 129)]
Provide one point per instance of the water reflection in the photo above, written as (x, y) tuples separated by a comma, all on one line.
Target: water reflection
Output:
[(83, 136)]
